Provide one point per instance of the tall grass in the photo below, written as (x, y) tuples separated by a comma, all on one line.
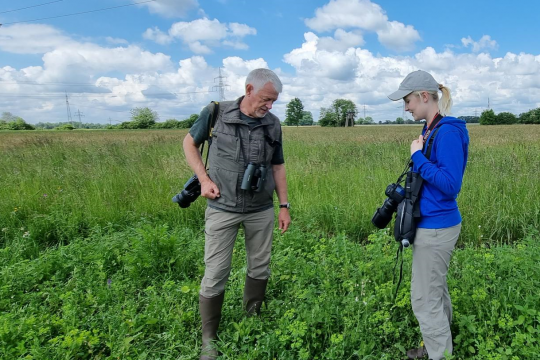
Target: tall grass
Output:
[(58, 185), (96, 262)]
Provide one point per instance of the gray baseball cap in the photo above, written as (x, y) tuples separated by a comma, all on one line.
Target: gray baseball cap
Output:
[(416, 81)]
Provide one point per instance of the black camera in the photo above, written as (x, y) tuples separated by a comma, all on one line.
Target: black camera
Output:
[(192, 190), (383, 215), (254, 177)]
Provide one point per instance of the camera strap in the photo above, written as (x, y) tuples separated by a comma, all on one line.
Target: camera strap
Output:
[(237, 134), (413, 189)]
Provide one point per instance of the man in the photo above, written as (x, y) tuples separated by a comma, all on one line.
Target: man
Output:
[(245, 133)]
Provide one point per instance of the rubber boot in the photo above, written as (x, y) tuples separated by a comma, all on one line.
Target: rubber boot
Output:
[(419, 353), (210, 309), (254, 291)]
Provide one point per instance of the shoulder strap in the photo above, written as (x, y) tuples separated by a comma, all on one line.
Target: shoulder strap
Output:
[(213, 119), (430, 143)]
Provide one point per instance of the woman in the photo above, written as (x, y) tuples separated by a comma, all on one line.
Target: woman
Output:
[(440, 224)]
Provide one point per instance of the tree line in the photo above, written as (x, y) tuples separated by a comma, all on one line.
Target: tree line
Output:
[(141, 118), (488, 117), (342, 110), (337, 114)]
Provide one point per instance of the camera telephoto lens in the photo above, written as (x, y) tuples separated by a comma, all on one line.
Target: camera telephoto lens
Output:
[(383, 215), (184, 199), (190, 193)]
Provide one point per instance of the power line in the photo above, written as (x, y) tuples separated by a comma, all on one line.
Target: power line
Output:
[(79, 13), (97, 94), (29, 7)]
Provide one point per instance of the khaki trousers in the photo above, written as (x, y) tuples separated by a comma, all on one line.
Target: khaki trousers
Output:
[(221, 230), (432, 250)]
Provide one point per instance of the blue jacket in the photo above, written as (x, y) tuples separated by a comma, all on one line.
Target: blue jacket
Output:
[(442, 174)]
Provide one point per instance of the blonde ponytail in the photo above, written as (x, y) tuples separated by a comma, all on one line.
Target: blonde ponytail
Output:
[(445, 103)]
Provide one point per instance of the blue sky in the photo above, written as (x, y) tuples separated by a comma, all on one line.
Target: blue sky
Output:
[(165, 54)]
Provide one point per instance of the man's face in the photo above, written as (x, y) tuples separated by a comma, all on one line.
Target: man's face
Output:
[(261, 102)]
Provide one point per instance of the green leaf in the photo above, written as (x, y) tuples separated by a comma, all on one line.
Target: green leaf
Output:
[(185, 289), (472, 350)]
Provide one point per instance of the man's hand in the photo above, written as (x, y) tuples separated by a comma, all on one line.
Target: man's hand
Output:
[(284, 220), (209, 190), (417, 144)]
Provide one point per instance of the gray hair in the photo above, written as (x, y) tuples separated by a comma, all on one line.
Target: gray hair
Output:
[(260, 77)]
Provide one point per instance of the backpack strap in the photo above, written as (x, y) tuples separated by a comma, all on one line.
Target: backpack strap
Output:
[(430, 143), (213, 119)]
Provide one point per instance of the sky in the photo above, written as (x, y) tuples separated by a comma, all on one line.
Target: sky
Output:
[(167, 54)]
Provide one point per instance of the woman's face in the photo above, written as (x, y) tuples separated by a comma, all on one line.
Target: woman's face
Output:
[(415, 105)]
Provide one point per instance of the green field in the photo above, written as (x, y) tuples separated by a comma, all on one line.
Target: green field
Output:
[(96, 261)]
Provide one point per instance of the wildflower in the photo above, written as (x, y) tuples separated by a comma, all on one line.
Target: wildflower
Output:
[(45, 195), (5, 229), (356, 299), (22, 229), (479, 226), (26, 234), (109, 282)]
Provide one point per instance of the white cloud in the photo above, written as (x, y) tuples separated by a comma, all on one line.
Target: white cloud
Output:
[(366, 78), (32, 38), (241, 30), (116, 41), (341, 41), (398, 37), (364, 15), (171, 8), (203, 34), (485, 42), (157, 35)]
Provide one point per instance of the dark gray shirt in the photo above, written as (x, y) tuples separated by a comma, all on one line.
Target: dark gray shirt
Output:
[(200, 130)]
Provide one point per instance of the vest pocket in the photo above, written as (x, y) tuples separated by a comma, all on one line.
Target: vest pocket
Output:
[(266, 196), (228, 146), (226, 182)]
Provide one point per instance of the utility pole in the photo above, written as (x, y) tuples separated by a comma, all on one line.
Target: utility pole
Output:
[(70, 120), (221, 86), (79, 114)]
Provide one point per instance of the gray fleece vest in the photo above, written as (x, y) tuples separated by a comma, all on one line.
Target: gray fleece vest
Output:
[(227, 163)]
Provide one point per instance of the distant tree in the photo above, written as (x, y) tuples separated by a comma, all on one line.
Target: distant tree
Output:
[(359, 121), (530, 117), (294, 112), (400, 120), (65, 127), (488, 117), (470, 119), (307, 118), (3, 125), (327, 117), (341, 107), (188, 123), (18, 123), (368, 120), (7, 116), (168, 124), (336, 114), (143, 118), (506, 118)]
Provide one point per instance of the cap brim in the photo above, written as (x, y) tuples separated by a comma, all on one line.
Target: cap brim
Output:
[(398, 95)]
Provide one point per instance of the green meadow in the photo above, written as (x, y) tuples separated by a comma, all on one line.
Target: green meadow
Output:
[(96, 262)]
